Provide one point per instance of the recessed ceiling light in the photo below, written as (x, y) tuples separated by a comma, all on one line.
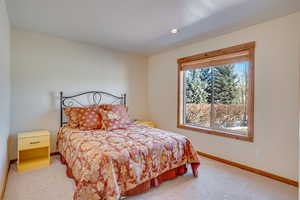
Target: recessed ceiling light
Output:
[(174, 31)]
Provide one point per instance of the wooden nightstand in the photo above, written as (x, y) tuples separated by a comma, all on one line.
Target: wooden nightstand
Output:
[(146, 123), (33, 150)]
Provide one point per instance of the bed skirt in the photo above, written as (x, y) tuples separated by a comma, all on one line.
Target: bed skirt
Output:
[(171, 174)]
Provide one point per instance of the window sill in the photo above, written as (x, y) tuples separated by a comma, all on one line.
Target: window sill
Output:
[(215, 132)]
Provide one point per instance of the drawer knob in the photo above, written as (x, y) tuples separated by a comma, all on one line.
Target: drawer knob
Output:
[(35, 142)]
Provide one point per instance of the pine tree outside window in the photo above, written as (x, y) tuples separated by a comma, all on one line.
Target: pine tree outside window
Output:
[(216, 92)]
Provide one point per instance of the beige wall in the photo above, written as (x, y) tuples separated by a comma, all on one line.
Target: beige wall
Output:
[(4, 90), (275, 147), (43, 65)]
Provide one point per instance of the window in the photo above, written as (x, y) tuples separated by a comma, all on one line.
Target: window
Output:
[(216, 92)]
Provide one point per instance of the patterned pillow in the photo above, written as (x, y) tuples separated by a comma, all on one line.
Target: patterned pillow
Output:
[(72, 116), (114, 117), (89, 119), (119, 110)]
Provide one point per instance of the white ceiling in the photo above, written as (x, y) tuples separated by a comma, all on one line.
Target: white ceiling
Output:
[(143, 26)]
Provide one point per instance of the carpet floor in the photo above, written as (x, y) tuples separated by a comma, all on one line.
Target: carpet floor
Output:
[(216, 181)]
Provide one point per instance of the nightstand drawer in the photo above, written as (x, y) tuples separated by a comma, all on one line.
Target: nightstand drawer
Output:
[(33, 142)]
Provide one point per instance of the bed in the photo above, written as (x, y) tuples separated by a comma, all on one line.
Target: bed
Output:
[(111, 165)]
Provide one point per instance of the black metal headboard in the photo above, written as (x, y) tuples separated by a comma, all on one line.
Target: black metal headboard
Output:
[(92, 97)]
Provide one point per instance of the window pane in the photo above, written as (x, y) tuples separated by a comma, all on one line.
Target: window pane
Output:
[(231, 110), (216, 97), (197, 111)]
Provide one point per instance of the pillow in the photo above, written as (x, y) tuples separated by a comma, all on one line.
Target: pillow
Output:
[(119, 110), (72, 116), (89, 119), (114, 117)]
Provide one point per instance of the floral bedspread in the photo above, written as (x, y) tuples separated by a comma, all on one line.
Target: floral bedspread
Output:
[(106, 164)]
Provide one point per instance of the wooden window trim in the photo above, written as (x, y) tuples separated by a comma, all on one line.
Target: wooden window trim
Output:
[(250, 47)]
